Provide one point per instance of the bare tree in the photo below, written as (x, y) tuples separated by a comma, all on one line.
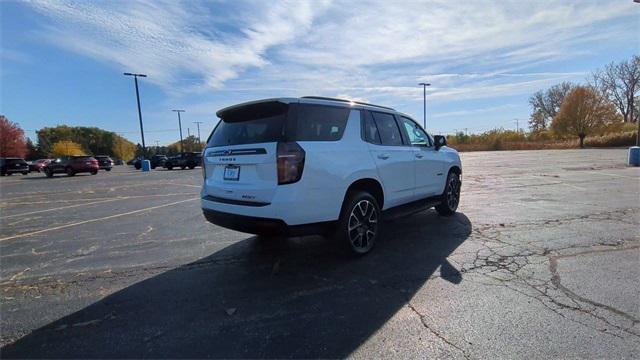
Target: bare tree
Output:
[(621, 84), (546, 104)]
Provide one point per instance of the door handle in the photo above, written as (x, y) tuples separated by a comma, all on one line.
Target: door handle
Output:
[(419, 156), (383, 156)]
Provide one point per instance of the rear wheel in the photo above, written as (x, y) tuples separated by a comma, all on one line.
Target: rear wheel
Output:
[(48, 172), (70, 172), (94, 172), (192, 166), (358, 226), (182, 167), (169, 167), (450, 196), (108, 169), (25, 172)]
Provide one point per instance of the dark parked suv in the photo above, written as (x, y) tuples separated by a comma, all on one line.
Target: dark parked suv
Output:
[(10, 166), (104, 162), (158, 160), (72, 165), (184, 160)]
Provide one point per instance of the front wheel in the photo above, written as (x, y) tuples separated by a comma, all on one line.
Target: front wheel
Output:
[(108, 169), (451, 195), (25, 172), (70, 172), (359, 223), (94, 172)]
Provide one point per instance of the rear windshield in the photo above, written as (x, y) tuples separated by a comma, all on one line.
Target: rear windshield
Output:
[(275, 121), (15, 161), (255, 123)]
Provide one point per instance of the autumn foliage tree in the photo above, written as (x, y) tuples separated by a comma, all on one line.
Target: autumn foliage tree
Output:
[(12, 142), (66, 148), (584, 111), (190, 143)]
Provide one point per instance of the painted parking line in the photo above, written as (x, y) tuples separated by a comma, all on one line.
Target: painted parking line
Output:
[(110, 188), (103, 200), (95, 220)]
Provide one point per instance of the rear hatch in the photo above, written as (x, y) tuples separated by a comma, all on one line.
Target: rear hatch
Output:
[(241, 154)]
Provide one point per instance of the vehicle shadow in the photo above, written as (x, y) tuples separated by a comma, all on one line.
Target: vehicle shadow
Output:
[(260, 298)]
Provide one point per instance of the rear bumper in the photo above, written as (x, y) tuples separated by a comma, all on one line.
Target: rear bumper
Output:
[(14, 170), (265, 226)]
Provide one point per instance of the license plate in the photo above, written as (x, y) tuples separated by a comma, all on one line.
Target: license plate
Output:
[(232, 173)]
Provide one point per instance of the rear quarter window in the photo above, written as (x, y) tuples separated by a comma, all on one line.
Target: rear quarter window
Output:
[(320, 122)]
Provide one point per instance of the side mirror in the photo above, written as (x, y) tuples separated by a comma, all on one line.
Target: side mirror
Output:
[(440, 141)]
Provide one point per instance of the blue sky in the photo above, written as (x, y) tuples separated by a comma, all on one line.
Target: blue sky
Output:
[(62, 61)]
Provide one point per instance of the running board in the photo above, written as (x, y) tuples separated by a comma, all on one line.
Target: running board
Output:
[(410, 208)]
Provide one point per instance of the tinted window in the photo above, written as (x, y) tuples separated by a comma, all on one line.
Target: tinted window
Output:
[(388, 129), (321, 123), (256, 123), (371, 130), (416, 135)]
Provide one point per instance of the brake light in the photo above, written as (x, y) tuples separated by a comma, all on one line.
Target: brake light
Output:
[(202, 162), (290, 162)]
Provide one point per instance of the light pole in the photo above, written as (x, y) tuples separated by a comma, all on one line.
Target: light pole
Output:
[(517, 121), (198, 124), (424, 94), (135, 78), (180, 125)]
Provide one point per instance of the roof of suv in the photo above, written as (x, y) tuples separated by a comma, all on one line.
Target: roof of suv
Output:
[(309, 100)]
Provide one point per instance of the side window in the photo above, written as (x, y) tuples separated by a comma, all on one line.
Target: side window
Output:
[(417, 136), (388, 129), (370, 130)]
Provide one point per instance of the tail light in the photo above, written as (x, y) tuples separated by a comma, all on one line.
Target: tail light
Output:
[(202, 162), (290, 162)]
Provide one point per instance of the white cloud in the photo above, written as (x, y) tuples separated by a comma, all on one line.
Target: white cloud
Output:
[(175, 43), (369, 50)]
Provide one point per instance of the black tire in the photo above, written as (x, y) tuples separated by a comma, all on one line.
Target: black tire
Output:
[(49, 173), (94, 172), (108, 169), (359, 223), (138, 166), (169, 167), (192, 166), (153, 167), (450, 196), (25, 173), (70, 172), (182, 167), (9, 174)]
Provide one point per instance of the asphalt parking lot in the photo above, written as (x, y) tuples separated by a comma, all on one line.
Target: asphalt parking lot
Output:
[(541, 261)]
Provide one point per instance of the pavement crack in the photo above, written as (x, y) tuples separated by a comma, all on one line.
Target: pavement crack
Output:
[(426, 325)]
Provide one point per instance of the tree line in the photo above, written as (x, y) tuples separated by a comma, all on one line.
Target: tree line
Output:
[(609, 97), (65, 140)]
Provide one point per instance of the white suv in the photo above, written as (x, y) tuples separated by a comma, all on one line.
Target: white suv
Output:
[(313, 165)]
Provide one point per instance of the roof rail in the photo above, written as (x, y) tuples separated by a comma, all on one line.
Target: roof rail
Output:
[(347, 101)]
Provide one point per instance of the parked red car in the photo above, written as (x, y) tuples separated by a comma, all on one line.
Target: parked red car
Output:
[(37, 165), (72, 165)]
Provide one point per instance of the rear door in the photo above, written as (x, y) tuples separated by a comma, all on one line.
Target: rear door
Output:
[(393, 158), (240, 158)]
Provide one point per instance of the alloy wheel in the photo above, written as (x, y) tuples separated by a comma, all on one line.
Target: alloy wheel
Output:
[(362, 226), (453, 192)]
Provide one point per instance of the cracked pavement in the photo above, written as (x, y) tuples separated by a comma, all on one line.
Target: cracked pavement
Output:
[(542, 260)]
